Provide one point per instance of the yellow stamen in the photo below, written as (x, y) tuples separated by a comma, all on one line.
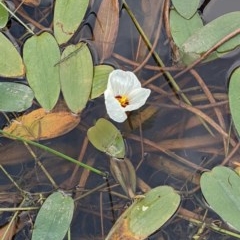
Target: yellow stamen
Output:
[(123, 100)]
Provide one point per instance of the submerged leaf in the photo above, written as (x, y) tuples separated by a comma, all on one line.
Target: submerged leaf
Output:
[(210, 34), (124, 173), (54, 217), (100, 80), (151, 10), (39, 124), (220, 188), (106, 28), (15, 97), (234, 98), (41, 54), (106, 138), (68, 15), (146, 214), (76, 74), (11, 64)]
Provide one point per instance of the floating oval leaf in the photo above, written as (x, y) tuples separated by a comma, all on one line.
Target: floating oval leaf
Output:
[(234, 100), (106, 138), (182, 28), (106, 28), (41, 55), (206, 37), (54, 218), (76, 74), (39, 124), (3, 16), (125, 174), (67, 17), (146, 215), (100, 80), (186, 8), (11, 64), (220, 188), (15, 97)]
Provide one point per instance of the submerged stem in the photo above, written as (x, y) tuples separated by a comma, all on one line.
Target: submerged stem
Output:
[(160, 62), (50, 150)]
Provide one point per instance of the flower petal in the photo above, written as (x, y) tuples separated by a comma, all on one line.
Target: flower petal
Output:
[(114, 109), (122, 82), (137, 98)]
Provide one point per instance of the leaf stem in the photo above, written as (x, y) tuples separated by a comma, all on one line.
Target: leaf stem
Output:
[(50, 150)]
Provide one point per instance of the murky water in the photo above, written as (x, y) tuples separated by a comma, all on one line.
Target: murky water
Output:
[(166, 142)]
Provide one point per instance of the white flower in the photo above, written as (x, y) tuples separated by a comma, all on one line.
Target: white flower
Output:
[(123, 94)]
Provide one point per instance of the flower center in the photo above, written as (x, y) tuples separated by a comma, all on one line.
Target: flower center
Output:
[(123, 100)]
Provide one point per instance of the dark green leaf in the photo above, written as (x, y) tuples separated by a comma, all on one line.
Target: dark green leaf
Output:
[(3, 16)]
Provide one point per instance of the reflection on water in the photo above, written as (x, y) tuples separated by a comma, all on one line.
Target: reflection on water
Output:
[(166, 141)]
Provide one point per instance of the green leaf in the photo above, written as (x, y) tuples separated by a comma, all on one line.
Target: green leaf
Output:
[(210, 34), (3, 16), (41, 55), (54, 217), (231, 44), (234, 98), (182, 28), (146, 214), (186, 8), (220, 188), (15, 97), (76, 74), (11, 64), (68, 15), (100, 80), (106, 138)]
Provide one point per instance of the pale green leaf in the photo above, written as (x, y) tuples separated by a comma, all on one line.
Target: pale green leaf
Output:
[(234, 98), (146, 215), (220, 188), (76, 74), (182, 28), (100, 80), (15, 97), (41, 55), (210, 34), (68, 15), (54, 217), (186, 8), (106, 138), (11, 64)]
